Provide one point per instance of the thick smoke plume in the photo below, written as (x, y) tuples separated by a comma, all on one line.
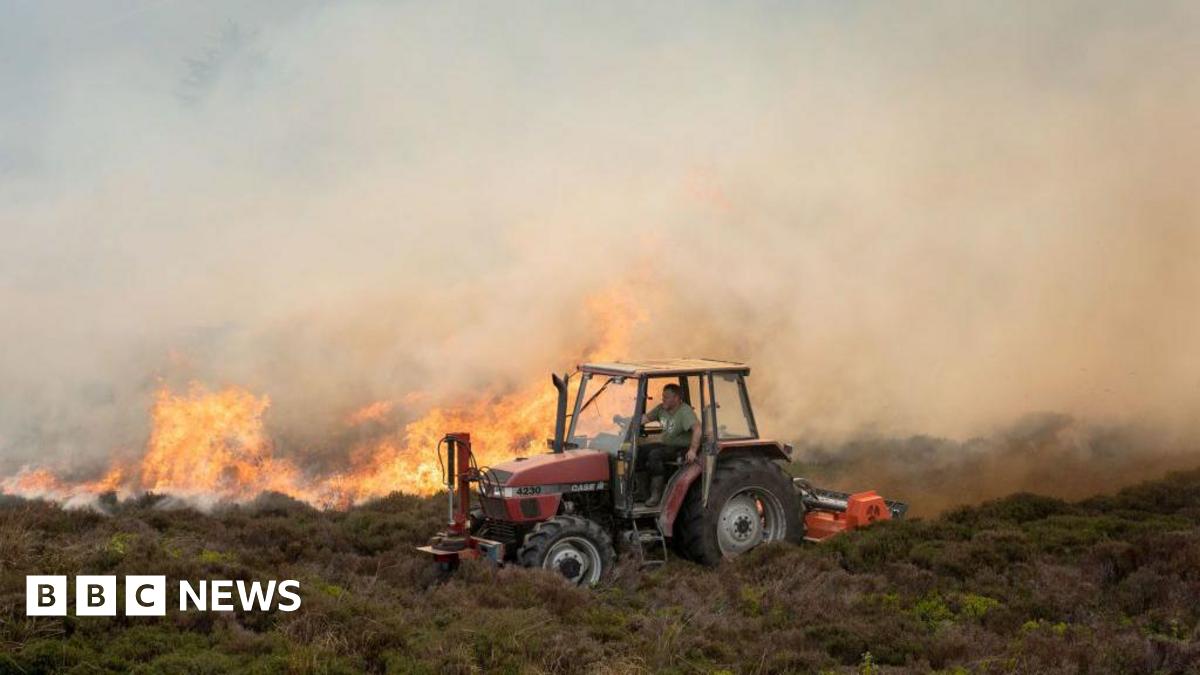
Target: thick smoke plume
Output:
[(1041, 453), (918, 221)]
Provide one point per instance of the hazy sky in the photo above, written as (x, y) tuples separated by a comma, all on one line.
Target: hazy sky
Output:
[(926, 217)]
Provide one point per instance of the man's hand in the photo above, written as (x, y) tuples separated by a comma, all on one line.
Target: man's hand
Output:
[(691, 455)]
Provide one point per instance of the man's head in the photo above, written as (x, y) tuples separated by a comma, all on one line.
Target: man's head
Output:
[(671, 397)]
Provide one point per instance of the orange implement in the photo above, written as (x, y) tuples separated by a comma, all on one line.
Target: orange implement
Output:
[(862, 508)]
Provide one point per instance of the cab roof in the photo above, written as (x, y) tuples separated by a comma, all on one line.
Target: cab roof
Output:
[(665, 367)]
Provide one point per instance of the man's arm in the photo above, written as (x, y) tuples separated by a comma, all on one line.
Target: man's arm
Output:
[(694, 446), (651, 415)]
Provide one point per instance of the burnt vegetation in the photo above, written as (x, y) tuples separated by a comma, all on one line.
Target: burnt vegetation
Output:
[(1020, 584)]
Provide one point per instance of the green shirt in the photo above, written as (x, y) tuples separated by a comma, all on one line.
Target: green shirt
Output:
[(677, 425)]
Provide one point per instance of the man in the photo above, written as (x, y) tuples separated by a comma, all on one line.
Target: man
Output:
[(680, 429)]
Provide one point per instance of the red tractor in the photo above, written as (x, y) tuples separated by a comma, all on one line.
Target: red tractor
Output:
[(572, 508)]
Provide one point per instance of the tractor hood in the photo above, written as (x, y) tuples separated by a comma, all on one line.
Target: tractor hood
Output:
[(569, 466)]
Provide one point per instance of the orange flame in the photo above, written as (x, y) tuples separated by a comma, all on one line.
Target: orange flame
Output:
[(206, 445), (43, 483), (501, 427), (374, 412), (209, 446)]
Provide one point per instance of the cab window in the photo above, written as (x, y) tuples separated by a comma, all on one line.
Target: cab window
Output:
[(654, 387), (605, 408), (733, 420)]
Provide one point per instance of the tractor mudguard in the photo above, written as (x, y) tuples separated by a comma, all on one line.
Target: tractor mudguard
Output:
[(676, 490), (678, 486), (770, 449)]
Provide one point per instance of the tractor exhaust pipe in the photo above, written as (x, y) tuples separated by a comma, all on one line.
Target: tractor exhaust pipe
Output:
[(560, 416)]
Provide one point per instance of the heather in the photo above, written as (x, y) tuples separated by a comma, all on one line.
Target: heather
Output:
[(1025, 584)]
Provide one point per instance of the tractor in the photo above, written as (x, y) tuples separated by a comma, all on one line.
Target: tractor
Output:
[(574, 507)]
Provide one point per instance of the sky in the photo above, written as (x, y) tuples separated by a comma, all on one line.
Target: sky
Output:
[(928, 218)]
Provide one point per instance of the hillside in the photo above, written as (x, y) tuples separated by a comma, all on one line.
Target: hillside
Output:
[(1021, 584)]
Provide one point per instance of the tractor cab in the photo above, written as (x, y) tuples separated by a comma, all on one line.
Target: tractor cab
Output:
[(611, 398)]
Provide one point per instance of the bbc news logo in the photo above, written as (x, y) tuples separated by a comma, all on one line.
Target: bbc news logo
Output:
[(146, 595)]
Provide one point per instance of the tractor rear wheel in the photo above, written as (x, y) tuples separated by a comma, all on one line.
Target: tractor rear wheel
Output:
[(577, 548), (751, 502)]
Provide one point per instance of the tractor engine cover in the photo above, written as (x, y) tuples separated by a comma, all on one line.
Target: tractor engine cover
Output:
[(530, 489)]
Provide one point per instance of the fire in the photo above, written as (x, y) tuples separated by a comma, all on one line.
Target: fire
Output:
[(501, 426), (212, 444), (516, 423), (205, 446), (374, 412), (208, 446), (43, 483)]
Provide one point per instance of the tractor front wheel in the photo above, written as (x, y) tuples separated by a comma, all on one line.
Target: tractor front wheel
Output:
[(577, 548)]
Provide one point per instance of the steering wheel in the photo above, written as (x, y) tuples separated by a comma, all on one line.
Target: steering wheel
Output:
[(624, 421)]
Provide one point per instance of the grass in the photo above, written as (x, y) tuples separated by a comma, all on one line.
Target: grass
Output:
[(1020, 584)]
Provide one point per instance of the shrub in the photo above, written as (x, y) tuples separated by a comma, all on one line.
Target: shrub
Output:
[(1023, 583)]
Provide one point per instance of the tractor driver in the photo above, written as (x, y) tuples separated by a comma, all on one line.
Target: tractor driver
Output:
[(680, 430)]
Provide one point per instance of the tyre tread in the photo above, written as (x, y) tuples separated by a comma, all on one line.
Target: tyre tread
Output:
[(543, 535), (697, 540)]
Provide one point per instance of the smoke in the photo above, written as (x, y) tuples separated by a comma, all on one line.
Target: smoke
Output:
[(1041, 453), (924, 220)]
